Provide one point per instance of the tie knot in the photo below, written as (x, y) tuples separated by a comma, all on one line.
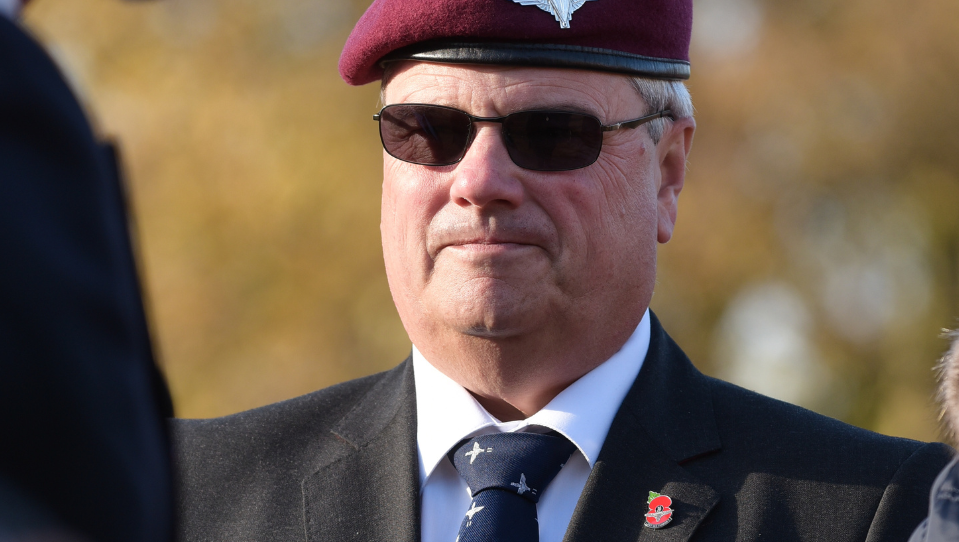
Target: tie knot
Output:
[(519, 463)]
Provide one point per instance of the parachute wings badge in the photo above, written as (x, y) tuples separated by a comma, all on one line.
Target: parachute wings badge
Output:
[(561, 9)]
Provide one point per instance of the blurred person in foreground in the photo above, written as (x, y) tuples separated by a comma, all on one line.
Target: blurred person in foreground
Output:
[(534, 156), (942, 524), (83, 451)]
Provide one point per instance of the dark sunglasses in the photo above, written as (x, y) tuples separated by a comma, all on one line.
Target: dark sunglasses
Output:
[(435, 135)]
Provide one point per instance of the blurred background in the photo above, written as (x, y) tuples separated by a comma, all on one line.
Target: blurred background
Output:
[(816, 258)]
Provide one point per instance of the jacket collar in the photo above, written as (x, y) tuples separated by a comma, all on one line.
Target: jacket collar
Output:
[(369, 489), (666, 420), (672, 401)]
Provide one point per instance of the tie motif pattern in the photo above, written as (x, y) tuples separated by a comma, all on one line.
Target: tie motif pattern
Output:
[(506, 474)]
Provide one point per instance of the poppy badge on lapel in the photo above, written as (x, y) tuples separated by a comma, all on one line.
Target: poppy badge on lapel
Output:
[(660, 512)]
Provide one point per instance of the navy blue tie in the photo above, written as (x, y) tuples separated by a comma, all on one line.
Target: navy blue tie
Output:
[(506, 474)]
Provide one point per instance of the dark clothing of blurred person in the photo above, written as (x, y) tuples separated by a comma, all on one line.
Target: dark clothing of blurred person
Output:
[(942, 524), (83, 450)]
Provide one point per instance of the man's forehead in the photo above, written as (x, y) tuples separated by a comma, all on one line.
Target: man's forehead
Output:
[(506, 86)]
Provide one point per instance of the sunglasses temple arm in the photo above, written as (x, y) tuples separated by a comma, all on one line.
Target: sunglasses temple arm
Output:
[(638, 122)]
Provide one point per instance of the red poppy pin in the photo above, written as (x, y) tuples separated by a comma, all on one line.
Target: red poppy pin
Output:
[(660, 512)]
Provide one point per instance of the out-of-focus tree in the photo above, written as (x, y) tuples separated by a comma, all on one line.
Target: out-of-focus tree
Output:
[(816, 256)]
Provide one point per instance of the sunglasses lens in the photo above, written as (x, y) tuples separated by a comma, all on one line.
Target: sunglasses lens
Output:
[(424, 134), (552, 140)]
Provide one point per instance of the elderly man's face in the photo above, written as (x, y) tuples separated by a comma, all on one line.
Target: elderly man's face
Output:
[(487, 249)]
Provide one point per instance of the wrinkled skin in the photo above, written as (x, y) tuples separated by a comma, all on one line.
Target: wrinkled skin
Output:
[(512, 282)]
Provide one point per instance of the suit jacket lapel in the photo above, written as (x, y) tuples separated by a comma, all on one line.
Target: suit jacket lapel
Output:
[(666, 419), (369, 489)]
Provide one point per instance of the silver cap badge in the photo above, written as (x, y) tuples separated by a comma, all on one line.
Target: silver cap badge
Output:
[(561, 9)]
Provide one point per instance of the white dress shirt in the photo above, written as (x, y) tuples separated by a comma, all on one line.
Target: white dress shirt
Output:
[(446, 414), (10, 8)]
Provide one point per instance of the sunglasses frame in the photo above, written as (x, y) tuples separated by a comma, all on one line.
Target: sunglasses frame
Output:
[(632, 124)]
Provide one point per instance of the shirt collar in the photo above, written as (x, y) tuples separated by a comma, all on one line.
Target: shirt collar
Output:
[(447, 413), (10, 8)]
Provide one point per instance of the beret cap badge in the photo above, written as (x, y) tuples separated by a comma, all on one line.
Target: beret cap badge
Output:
[(639, 38), (561, 9)]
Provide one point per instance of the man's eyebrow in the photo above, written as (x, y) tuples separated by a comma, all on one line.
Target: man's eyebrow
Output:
[(576, 107)]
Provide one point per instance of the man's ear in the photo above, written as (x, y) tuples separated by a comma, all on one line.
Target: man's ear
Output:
[(673, 148)]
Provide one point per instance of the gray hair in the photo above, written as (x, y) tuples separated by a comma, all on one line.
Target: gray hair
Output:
[(948, 370), (659, 95)]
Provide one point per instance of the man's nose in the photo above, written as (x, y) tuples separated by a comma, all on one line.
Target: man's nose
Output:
[(486, 175)]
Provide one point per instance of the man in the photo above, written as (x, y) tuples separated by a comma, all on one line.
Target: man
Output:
[(534, 155), (83, 451)]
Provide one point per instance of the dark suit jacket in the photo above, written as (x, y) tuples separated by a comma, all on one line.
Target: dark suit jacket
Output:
[(341, 464), (82, 440)]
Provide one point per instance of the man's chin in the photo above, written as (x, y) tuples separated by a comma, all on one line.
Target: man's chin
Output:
[(501, 322), (489, 305), (486, 332)]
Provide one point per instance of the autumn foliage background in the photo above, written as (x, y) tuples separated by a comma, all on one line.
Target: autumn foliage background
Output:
[(816, 258)]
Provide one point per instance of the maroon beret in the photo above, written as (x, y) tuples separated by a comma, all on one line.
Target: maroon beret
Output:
[(638, 37)]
